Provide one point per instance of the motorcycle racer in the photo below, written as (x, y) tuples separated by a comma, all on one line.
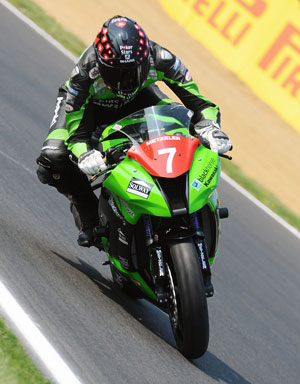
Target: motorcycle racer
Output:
[(114, 77)]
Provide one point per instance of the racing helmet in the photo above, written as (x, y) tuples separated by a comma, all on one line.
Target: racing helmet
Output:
[(122, 48)]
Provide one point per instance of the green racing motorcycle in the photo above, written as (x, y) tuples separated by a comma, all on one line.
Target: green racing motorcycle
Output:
[(159, 217)]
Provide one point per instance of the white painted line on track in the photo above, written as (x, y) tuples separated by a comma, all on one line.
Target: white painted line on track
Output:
[(258, 203), (37, 29), (235, 185), (34, 337), (47, 354), (18, 163)]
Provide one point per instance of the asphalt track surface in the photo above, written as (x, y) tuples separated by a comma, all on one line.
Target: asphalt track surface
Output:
[(104, 336)]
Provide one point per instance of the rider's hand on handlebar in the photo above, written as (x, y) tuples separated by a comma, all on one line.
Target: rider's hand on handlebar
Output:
[(212, 137), (91, 162)]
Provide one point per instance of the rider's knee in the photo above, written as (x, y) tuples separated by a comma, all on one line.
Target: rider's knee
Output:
[(52, 162), (47, 176), (55, 152)]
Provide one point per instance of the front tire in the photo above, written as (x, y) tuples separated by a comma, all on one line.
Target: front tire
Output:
[(187, 306)]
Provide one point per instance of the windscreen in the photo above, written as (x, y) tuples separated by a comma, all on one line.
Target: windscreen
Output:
[(153, 121)]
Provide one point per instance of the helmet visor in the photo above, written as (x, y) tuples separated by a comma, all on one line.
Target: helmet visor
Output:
[(125, 79)]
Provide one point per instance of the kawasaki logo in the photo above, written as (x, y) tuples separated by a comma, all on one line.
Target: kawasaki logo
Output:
[(211, 177)]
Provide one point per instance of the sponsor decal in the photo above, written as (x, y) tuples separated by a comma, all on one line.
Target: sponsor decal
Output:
[(202, 256), (211, 177), (139, 187), (112, 203), (152, 75), (188, 76), (111, 103), (57, 107), (162, 138), (69, 108), (206, 170), (117, 127), (99, 86), (122, 237), (73, 91), (182, 69), (176, 64), (196, 184), (126, 50), (127, 59), (94, 73), (129, 211)]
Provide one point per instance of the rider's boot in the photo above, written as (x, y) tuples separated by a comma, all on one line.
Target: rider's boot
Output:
[(84, 208)]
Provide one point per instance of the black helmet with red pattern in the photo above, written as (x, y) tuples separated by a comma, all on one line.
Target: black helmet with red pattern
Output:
[(122, 48)]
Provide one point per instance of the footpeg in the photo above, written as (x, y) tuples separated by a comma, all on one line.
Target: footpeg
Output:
[(100, 232)]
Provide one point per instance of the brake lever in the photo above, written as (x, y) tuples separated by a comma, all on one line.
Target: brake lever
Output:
[(225, 156), (96, 175)]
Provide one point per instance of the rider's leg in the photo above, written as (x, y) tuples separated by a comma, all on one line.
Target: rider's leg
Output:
[(56, 169)]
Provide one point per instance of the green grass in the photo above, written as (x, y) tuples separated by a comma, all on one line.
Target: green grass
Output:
[(48, 24), (15, 365), (262, 194)]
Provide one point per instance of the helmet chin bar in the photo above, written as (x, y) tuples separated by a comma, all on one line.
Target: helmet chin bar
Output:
[(123, 94)]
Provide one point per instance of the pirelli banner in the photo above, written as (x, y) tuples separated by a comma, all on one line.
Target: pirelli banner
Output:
[(257, 39)]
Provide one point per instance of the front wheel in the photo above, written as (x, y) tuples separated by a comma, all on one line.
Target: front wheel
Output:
[(187, 305)]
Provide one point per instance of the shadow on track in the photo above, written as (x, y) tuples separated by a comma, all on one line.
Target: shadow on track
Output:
[(159, 323)]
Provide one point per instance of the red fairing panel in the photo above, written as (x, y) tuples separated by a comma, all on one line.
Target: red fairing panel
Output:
[(166, 155)]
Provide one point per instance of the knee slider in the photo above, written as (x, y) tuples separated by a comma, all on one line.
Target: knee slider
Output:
[(46, 176)]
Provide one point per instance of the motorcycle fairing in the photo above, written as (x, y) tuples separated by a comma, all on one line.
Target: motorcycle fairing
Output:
[(126, 177), (166, 156), (203, 179)]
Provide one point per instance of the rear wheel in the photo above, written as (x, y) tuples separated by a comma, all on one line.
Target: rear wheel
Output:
[(187, 306)]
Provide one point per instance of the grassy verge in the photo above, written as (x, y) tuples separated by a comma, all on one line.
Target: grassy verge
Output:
[(262, 194), (48, 24), (15, 365)]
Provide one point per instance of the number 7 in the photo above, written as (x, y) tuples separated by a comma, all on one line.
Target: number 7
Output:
[(171, 152)]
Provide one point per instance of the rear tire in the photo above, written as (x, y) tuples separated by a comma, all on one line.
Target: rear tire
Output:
[(188, 306)]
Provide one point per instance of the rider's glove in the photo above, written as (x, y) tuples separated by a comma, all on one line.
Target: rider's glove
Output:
[(91, 162), (212, 137)]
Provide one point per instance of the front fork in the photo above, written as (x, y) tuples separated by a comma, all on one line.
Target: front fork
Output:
[(157, 264), (203, 255)]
